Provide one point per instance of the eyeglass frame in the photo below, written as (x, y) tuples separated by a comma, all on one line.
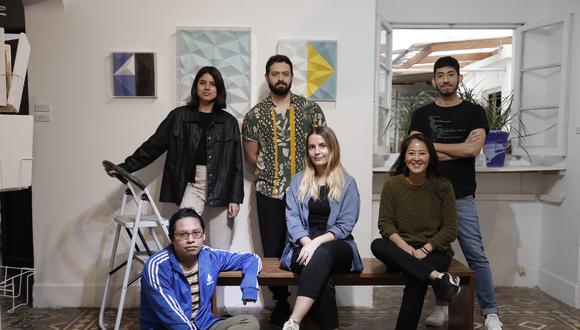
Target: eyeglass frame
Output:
[(196, 234)]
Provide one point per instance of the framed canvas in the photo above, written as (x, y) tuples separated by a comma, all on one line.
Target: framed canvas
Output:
[(227, 49), (314, 64), (133, 74)]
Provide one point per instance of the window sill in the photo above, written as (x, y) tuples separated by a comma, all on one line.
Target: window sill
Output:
[(510, 167)]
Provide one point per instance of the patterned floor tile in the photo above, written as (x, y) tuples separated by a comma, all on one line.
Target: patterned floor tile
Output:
[(520, 308)]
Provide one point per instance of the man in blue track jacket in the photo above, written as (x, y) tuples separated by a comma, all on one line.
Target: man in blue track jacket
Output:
[(179, 281)]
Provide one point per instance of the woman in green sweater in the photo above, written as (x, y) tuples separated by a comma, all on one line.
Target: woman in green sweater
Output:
[(417, 222)]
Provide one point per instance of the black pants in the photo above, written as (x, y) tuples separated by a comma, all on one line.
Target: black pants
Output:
[(334, 257), (272, 221), (417, 272)]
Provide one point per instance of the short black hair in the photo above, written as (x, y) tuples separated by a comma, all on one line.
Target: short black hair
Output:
[(184, 213), (220, 100), (446, 61), (279, 59)]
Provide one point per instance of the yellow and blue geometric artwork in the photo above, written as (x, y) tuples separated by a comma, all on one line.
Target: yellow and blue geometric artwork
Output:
[(314, 67)]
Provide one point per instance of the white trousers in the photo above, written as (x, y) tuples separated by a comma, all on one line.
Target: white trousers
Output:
[(218, 227)]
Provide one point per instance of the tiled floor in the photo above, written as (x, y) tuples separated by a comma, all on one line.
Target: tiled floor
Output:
[(521, 308)]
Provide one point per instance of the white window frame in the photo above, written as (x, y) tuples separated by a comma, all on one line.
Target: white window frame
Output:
[(518, 28), (563, 100), (379, 103)]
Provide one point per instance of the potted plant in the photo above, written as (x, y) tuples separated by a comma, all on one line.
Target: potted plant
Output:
[(502, 123)]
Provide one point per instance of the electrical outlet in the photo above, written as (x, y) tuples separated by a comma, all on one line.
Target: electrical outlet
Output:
[(42, 117)]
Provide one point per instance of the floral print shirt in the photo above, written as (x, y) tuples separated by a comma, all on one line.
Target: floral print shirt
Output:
[(282, 141)]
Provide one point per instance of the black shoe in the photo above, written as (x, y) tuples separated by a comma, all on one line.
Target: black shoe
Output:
[(281, 313), (446, 287)]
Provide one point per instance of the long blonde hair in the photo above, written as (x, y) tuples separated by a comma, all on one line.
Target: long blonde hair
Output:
[(334, 169)]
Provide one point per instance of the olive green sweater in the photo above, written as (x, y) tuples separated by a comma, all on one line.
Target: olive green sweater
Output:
[(417, 214)]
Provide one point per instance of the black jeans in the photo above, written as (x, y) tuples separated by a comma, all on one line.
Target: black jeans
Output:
[(417, 272), (272, 222), (334, 257)]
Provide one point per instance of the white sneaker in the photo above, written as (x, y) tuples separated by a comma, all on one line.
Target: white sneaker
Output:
[(492, 322), (291, 325), (438, 317)]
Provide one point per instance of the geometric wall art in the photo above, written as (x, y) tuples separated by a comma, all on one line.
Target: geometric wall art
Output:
[(226, 49), (133, 74), (314, 65)]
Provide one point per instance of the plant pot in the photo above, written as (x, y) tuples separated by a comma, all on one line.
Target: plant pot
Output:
[(495, 147)]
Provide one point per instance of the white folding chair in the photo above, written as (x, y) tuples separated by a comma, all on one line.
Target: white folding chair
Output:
[(137, 192)]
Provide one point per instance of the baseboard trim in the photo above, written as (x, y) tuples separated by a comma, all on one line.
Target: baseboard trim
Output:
[(79, 295), (559, 288)]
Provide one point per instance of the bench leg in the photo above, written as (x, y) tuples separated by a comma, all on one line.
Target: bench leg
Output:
[(214, 308), (461, 309)]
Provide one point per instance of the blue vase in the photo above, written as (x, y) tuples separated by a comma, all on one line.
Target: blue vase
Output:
[(495, 147)]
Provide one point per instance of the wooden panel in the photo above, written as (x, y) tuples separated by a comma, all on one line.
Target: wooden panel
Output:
[(373, 274), (470, 44), (459, 57), (417, 58)]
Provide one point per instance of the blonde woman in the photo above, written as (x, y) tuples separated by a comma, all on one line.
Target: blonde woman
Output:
[(322, 207)]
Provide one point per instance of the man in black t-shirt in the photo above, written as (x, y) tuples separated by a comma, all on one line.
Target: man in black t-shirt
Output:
[(458, 130)]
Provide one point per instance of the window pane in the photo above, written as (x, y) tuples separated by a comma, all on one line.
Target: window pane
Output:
[(383, 87), (542, 127), (383, 46), (540, 87), (543, 45), (382, 124)]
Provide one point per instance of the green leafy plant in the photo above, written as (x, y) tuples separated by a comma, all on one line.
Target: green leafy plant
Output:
[(400, 120), (499, 115)]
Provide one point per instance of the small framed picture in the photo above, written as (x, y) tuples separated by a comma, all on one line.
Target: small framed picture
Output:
[(133, 74)]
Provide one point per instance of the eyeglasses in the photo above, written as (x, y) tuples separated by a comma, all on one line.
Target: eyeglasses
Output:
[(196, 234)]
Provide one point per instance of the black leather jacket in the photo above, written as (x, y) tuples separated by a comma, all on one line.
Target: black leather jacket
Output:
[(179, 135)]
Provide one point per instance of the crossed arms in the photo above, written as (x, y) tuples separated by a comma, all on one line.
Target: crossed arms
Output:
[(471, 147)]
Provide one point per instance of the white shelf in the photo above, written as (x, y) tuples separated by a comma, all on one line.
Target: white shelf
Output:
[(559, 170), (15, 152)]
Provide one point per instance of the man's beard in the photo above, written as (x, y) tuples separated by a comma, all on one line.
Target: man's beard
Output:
[(449, 93), (280, 91)]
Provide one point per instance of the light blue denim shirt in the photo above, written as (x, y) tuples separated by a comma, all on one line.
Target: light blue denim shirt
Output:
[(341, 220)]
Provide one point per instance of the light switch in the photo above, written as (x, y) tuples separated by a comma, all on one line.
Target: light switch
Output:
[(42, 108)]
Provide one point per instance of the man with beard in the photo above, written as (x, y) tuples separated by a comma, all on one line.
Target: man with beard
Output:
[(458, 130), (274, 133)]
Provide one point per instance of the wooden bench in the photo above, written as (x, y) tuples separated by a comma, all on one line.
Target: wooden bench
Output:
[(460, 310)]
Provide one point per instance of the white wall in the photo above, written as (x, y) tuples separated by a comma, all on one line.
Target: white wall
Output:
[(486, 82), (543, 238), (69, 69)]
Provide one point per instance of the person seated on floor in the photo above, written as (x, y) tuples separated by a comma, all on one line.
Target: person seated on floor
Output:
[(418, 222), (178, 282), (322, 207)]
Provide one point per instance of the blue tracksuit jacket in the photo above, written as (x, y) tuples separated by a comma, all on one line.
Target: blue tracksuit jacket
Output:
[(166, 295)]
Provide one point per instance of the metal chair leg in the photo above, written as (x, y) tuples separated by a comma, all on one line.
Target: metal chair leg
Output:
[(128, 267), (109, 274)]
